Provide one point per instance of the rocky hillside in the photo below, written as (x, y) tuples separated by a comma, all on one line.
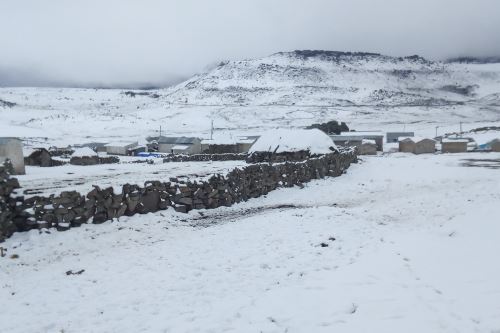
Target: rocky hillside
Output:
[(339, 79)]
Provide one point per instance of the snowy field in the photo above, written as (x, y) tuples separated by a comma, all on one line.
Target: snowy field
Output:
[(401, 243), (54, 180)]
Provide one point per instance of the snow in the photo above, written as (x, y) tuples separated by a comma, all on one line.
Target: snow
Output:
[(368, 141), (414, 138), (54, 180), (283, 140), (362, 133), (180, 147), (401, 243), (399, 254), (83, 152)]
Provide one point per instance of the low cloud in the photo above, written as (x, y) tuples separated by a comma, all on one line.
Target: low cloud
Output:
[(152, 42)]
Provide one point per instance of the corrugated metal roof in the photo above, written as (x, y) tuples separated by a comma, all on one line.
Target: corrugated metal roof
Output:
[(177, 140)]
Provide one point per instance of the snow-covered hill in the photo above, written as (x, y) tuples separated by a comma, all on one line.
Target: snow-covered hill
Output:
[(339, 79), (288, 89)]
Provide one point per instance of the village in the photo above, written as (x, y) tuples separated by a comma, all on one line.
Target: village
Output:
[(184, 149)]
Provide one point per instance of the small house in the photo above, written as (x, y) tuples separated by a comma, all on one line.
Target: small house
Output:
[(246, 142), (120, 148), (241, 144), (309, 141), (417, 145), (367, 147), (12, 149), (179, 145), (425, 146), (394, 136), (454, 145), (355, 138), (406, 145), (38, 157), (494, 145)]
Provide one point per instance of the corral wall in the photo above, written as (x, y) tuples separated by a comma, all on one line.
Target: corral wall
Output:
[(71, 209)]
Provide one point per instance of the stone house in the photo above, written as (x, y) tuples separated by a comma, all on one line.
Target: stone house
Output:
[(12, 149), (41, 157), (454, 145), (179, 145)]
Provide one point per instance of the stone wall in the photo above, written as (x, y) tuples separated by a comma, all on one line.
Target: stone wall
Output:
[(271, 157), (93, 160), (71, 209), (8, 202), (204, 157)]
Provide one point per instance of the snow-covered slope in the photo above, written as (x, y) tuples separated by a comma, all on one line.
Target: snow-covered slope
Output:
[(284, 90), (338, 78)]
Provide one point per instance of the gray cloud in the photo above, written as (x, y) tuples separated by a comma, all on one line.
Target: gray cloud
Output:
[(141, 42)]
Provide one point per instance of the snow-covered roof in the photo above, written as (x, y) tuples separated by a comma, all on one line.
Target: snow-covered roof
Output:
[(362, 133), (283, 140), (177, 140), (121, 144), (446, 140), (180, 147), (368, 141), (413, 138), (83, 152), (226, 141)]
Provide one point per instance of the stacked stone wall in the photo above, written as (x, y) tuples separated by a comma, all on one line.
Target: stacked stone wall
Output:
[(72, 209)]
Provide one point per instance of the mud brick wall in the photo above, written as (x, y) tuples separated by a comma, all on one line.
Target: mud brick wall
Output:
[(72, 209)]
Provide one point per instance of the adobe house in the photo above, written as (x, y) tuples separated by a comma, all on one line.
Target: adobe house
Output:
[(454, 145), (394, 136), (179, 145), (494, 145), (425, 146), (12, 149), (406, 145), (417, 145)]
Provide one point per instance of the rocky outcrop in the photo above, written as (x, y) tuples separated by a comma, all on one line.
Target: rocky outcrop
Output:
[(72, 209)]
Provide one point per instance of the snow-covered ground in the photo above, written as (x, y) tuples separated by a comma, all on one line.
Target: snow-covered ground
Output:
[(401, 243), (54, 180)]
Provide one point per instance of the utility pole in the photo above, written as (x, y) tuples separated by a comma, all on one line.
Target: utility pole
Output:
[(461, 129), (160, 131), (212, 130), (436, 131)]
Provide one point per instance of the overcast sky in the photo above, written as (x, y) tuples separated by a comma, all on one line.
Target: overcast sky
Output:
[(129, 42)]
